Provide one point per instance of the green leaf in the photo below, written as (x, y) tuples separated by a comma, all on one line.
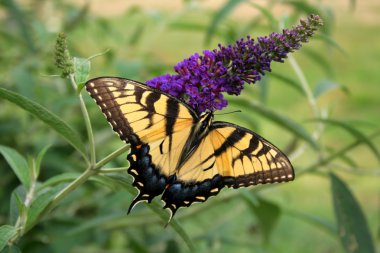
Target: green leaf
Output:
[(220, 16), (61, 178), (39, 158), (287, 80), (337, 154), (13, 249), (157, 208), (324, 86), (14, 208), (6, 233), (187, 26), (266, 13), (330, 41), (267, 214), (281, 120), (20, 205), (81, 71), (172, 247), (137, 246), (352, 226), (47, 117), (18, 164), (39, 203), (354, 132), (319, 59), (313, 220), (303, 6)]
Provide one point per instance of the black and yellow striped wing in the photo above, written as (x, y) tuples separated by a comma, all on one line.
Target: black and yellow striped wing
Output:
[(231, 156), (159, 128)]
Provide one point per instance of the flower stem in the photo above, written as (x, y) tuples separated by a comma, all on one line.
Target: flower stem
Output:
[(111, 156), (87, 123), (112, 170), (68, 189), (312, 102)]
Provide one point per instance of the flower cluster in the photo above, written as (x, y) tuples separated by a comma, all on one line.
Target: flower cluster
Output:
[(201, 79)]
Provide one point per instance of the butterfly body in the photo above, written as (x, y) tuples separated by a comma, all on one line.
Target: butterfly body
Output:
[(180, 154)]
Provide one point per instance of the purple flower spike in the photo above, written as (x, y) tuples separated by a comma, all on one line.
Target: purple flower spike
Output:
[(201, 79)]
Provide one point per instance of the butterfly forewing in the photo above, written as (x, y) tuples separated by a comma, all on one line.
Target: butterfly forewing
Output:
[(137, 112)]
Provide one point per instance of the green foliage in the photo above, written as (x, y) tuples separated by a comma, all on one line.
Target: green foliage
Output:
[(64, 181), (18, 164), (352, 225)]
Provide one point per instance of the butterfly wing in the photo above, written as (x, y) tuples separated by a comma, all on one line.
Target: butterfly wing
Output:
[(155, 124), (229, 155)]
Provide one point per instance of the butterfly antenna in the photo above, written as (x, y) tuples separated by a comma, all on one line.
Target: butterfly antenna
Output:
[(224, 113)]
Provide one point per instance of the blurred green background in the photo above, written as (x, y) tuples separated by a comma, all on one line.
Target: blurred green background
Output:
[(143, 39)]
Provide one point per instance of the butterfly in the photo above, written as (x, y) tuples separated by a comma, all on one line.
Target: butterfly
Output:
[(180, 154)]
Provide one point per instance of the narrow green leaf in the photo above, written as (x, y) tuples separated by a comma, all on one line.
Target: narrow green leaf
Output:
[(61, 178), (303, 6), (279, 119), (137, 34), (313, 220), (220, 16), (32, 168), (20, 205), (354, 132), (13, 249), (319, 59), (47, 117), (39, 158), (82, 68), (287, 80), (266, 13), (172, 247), (337, 154), (264, 90), (187, 26), (39, 204), (18, 164), (352, 4), (352, 226), (157, 208), (137, 246), (267, 214), (330, 41), (18, 195), (6, 233), (344, 158), (325, 86)]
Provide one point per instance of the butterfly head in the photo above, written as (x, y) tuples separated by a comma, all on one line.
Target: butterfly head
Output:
[(205, 121)]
